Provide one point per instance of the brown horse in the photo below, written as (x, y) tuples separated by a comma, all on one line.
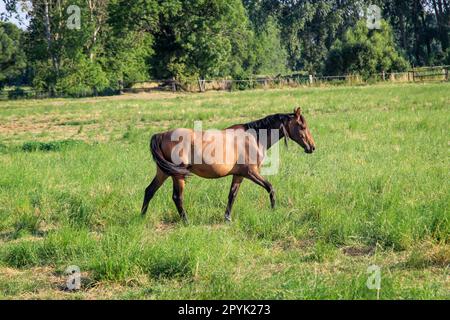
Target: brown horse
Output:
[(179, 158)]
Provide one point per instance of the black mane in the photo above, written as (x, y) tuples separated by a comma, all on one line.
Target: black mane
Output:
[(274, 121)]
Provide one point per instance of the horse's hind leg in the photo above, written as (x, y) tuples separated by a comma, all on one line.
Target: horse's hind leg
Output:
[(256, 177), (177, 196), (232, 195), (150, 191)]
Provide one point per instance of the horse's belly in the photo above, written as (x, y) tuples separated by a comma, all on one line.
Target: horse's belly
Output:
[(211, 171)]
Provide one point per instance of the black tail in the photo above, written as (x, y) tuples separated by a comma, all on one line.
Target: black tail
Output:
[(166, 166)]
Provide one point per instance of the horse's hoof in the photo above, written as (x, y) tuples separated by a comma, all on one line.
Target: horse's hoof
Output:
[(228, 219)]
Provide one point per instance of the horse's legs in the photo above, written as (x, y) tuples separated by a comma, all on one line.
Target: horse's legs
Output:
[(150, 191), (177, 196), (232, 195), (256, 177)]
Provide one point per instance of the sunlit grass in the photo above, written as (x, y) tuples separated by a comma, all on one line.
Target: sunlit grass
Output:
[(72, 175)]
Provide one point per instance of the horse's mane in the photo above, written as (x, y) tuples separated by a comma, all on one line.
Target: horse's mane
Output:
[(273, 121)]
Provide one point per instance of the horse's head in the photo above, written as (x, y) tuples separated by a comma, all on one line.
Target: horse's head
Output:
[(299, 132)]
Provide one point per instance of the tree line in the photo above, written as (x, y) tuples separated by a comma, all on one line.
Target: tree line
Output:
[(96, 46)]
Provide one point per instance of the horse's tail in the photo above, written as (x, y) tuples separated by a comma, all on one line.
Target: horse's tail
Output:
[(166, 166)]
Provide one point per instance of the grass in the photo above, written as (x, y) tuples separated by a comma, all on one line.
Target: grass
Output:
[(375, 192)]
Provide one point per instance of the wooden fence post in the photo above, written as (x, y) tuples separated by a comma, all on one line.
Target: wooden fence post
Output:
[(120, 86), (201, 84), (174, 85)]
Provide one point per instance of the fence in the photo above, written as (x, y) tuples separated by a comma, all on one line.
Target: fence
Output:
[(423, 74), (430, 74)]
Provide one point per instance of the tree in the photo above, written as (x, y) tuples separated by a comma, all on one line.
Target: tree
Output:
[(202, 38), (122, 41), (12, 57), (270, 55), (309, 28), (82, 76), (421, 27), (126, 57), (91, 58), (363, 51), (445, 58)]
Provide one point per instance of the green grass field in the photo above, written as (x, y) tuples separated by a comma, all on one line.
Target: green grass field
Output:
[(73, 172)]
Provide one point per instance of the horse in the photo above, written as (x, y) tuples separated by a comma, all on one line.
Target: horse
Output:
[(176, 158)]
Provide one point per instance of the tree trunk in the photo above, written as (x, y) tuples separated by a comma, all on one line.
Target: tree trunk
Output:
[(440, 12), (426, 36), (445, 24), (49, 38), (415, 20), (97, 17), (403, 32)]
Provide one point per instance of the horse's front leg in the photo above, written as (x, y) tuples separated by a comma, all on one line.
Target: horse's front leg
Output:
[(177, 196), (235, 184), (256, 177)]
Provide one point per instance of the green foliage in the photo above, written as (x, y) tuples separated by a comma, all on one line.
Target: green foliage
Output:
[(19, 256), (363, 51), (26, 223), (126, 58), (121, 42), (270, 55), (49, 146), (447, 57), (82, 77), (308, 27), (12, 56), (200, 39), (44, 77), (16, 93)]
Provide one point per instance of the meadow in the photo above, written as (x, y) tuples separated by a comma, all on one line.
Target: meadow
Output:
[(375, 192)]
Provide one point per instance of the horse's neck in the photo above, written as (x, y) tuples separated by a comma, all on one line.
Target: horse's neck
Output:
[(271, 139), (275, 125), (277, 138)]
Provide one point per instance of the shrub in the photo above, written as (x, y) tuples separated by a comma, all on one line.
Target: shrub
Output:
[(16, 93), (363, 51), (49, 146)]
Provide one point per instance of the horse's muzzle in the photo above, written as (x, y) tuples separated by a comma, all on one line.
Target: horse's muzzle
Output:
[(310, 149)]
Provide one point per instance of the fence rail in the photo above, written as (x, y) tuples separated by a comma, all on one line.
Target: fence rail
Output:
[(422, 74), (426, 74)]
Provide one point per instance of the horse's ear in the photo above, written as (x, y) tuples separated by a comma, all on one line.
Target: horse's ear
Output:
[(297, 113)]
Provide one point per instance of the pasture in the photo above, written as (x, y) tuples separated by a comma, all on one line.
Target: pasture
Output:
[(376, 191)]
